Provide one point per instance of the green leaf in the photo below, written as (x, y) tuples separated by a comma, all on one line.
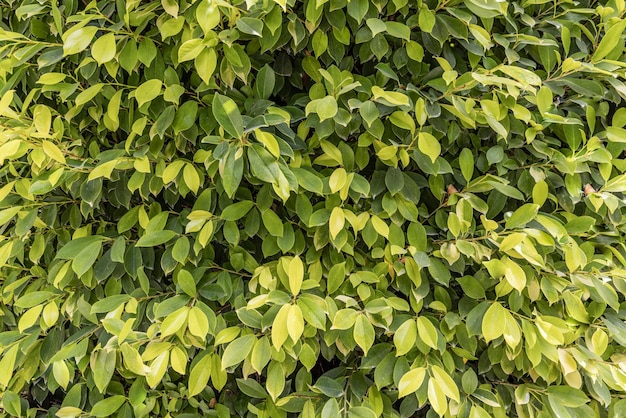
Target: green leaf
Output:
[(330, 409), (272, 223), (336, 277), (261, 354), (486, 8), (325, 108), (437, 396), (29, 318), (358, 9), (262, 165), (103, 364), (237, 210), (250, 26), (338, 180), (295, 323), (86, 257), (174, 322), (75, 41), (313, 310), (329, 387), (110, 303), (265, 82), (41, 119), (180, 250), (296, 275), (158, 367), (198, 323), (308, 180), (74, 247), (364, 334), (185, 116), (280, 331), (568, 396), (152, 239), (405, 337), (466, 162), (398, 30), (251, 388), (429, 145), (191, 177), (514, 274), (524, 76), (61, 373), (171, 7), (544, 99), (376, 26), (51, 78), (427, 332), (403, 120), (190, 49), (540, 193), (411, 381), (616, 184), (446, 382), (103, 50), (199, 376), (108, 406), (492, 324), (11, 403), (148, 91), (227, 114), (7, 214), (232, 172), (205, 64), (394, 180), (600, 342), (426, 19), (415, 51), (616, 134), (609, 41), (336, 222), (186, 282), (238, 350), (392, 98), (7, 364), (31, 299), (522, 216)]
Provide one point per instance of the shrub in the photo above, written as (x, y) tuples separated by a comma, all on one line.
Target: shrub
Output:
[(330, 208)]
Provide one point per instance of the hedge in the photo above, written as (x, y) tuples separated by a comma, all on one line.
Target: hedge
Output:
[(362, 208)]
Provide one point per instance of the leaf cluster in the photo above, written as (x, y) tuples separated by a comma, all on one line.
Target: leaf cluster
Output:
[(317, 208)]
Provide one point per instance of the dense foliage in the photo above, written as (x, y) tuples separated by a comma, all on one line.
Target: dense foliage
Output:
[(330, 208)]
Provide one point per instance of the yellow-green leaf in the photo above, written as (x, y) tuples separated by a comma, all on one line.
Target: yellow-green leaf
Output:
[(493, 322), (53, 151), (199, 376), (198, 323), (296, 274), (429, 145), (427, 332), (280, 332), (75, 41), (364, 334), (411, 381), (238, 350), (103, 50), (174, 322), (336, 222), (295, 322)]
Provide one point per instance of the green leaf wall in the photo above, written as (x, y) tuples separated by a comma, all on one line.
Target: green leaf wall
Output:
[(318, 208)]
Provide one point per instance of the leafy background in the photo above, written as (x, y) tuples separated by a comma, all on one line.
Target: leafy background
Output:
[(326, 208)]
